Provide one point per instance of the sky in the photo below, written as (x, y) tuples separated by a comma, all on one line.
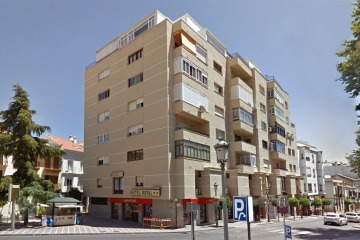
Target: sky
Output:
[(46, 45)]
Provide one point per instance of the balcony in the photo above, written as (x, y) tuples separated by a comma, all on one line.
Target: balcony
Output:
[(189, 134), (278, 155), (239, 67), (188, 111), (72, 170), (280, 171), (246, 163), (242, 128), (241, 146)]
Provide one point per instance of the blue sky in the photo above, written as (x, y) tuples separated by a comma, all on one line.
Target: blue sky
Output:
[(46, 45)]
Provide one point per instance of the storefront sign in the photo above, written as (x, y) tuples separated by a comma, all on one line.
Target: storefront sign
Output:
[(145, 192), (117, 174), (131, 200)]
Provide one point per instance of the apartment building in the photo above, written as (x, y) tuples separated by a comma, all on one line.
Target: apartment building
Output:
[(156, 100), (71, 166), (312, 169)]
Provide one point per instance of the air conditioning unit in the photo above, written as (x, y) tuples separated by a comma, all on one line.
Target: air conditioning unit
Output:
[(197, 191), (202, 109)]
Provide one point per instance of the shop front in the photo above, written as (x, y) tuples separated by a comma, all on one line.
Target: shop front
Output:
[(204, 205), (131, 209)]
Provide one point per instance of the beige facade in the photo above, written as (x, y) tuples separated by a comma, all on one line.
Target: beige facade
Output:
[(156, 100)]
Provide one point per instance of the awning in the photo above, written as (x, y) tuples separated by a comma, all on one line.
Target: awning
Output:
[(43, 205), (69, 206)]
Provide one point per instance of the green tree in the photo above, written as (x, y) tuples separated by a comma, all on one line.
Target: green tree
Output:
[(325, 202), (316, 203), (20, 138), (304, 202), (293, 202), (349, 68), (354, 158)]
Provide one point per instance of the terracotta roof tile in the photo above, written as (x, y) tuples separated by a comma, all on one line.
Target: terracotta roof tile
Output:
[(67, 144)]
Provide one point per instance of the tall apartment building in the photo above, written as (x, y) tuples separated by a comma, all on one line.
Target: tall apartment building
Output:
[(311, 168), (156, 100)]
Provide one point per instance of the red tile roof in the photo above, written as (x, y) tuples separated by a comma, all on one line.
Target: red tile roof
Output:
[(66, 144)]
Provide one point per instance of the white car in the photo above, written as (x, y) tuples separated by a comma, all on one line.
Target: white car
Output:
[(353, 216), (337, 218)]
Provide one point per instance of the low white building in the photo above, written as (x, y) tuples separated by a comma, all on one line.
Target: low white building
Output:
[(312, 170)]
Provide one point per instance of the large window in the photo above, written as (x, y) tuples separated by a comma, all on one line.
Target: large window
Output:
[(239, 92), (135, 130), (135, 155), (104, 74), (189, 149), (243, 115), (104, 95), (103, 116), (280, 130), (278, 112), (138, 103), (118, 188), (195, 72), (135, 80), (191, 96), (275, 93), (278, 146), (103, 138), (135, 56)]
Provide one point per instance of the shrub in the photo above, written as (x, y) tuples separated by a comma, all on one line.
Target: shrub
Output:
[(304, 202), (326, 202), (347, 202), (293, 202)]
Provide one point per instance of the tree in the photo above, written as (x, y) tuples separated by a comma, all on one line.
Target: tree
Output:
[(325, 202), (349, 68), (20, 138), (316, 203), (350, 75), (293, 202), (304, 202)]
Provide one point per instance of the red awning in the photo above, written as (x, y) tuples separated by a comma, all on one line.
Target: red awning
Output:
[(131, 200)]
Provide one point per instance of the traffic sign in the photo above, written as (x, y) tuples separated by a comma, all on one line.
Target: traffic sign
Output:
[(243, 209), (288, 232)]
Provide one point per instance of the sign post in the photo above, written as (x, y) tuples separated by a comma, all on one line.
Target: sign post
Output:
[(288, 232), (14, 191), (283, 209), (191, 207), (243, 211)]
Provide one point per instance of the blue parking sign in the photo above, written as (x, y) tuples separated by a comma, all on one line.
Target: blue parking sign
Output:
[(243, 209), (288, 232)]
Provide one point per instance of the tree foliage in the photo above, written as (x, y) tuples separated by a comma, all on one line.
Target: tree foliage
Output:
[(350, 67), (293, 202), (326, 202), (316, 202), (354, 158), (20, 138), (304, 202)]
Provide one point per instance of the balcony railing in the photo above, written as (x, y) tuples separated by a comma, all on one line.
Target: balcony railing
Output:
[(236, 54), (191, 130), (72, 170)]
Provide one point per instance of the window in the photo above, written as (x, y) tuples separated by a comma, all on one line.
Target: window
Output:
[(262, 108), (264, 126), (194, 72), (142, 28), (293, 152), (135, 130), (278, 146), (135, 80), (308, 172), (278, 112), (99, 183), (201, 53), (219, 111), (184, 93), (266, 163), (124, 41), (264, 144), (262, 90), (104, 95), (218, 89), (68, 182), (135, 56), (280, 130), (139, 181), (138, 103), (310, 188), (215, 43), (249, 159), (286, 105), (103, 138), (239, 92), (217, 67), (103, 116), (243, 115), (276, 93), (118, 188), (290, 167), (104, 74), (294, 167), (189, 149), (289, 151), (220, 134), (135, 155), (103, 160)]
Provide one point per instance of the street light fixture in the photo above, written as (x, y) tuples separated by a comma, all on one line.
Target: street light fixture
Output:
[(221, 149), (216, 206), (302, 207)]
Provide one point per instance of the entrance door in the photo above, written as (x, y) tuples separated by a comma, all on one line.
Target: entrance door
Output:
[(131, 212), (115, 210), (202, 213)]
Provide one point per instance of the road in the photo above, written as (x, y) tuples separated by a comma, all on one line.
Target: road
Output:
[(312, 228)]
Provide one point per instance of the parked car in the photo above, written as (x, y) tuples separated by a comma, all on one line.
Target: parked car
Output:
[(353, 216), (336, 218)]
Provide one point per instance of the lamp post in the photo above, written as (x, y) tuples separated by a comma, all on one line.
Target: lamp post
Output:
[(268, 200), (216, 206), (300, 193), (221, 149)]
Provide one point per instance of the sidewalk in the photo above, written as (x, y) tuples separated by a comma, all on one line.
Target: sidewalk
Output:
[(112, 226)]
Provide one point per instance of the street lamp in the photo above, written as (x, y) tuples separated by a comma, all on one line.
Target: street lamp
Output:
[(216, 206), (302, 207), (268, 199), (221, 149)]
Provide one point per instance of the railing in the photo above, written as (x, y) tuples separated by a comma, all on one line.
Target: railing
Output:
[(157, 222), (192, 130), (73, 170), (236, 54), (269, 78)]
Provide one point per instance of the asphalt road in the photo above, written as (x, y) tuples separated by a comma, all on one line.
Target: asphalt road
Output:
[(302, 229)]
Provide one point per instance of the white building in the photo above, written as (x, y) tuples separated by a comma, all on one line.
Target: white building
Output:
[(311, 168)]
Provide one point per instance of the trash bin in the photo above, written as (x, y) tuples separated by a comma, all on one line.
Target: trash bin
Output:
[(78, 220)]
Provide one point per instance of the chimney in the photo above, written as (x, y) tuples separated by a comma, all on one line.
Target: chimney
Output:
[(74, 140), (71, 138)]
